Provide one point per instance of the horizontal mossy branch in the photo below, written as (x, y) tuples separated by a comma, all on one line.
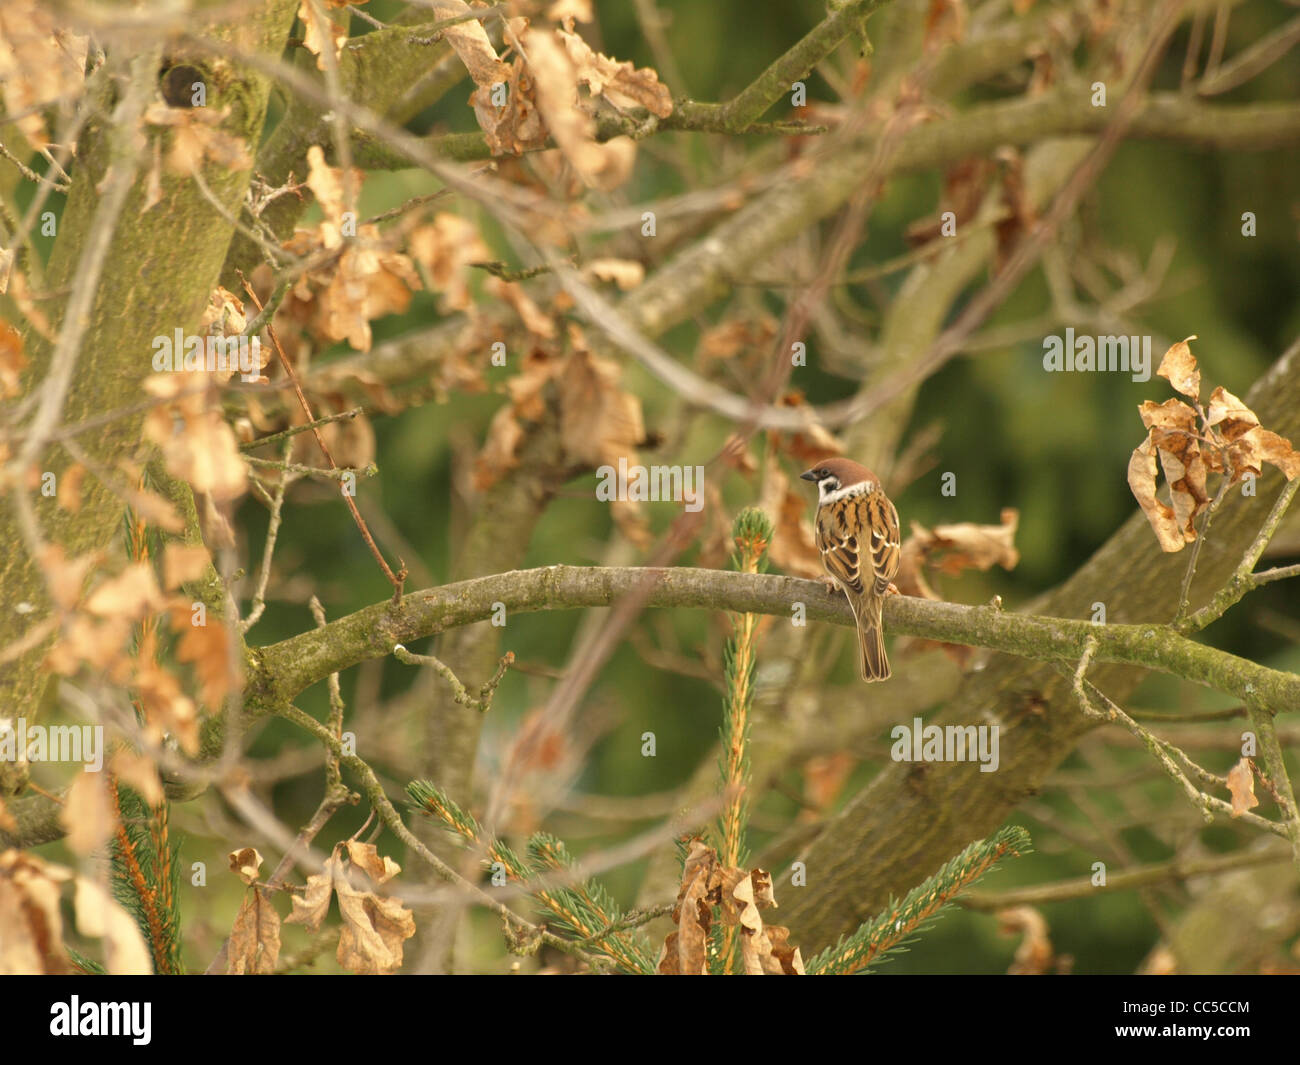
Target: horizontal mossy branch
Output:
[(286, 668), (977, 130)]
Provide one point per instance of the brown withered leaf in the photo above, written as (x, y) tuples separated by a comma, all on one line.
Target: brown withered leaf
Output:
[(565, 10), (1142, 469), (66, 577), (964, 185), (764, 949), (31, 924), (167, 709), (968, 545), (1259, 446), (621, 83), (40, 64), (810, 445), (101, 916), (374, 927), (154, 509), (530, 314), (139, 773), (245, 863), (202, 449), (254, 948), (1179, 367), (208, 647), (444, 248), (601, 423), (1241, 785), (88, 813), (1229, 415), (685, 951), (197, 136), (516, 126), (625, 273), (739, 898), (752, 333), (12, 361), (184, 562), (1019, 215), (824, 777), (471, 43), (310, 908), (69, 491), (320, 32), (132, 594), (366, 857), (1034, 956)]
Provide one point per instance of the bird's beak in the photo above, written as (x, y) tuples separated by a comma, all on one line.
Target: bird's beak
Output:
[(810, 475)]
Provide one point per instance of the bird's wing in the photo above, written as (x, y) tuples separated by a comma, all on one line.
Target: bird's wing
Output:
[(886, 538), (839, 546)]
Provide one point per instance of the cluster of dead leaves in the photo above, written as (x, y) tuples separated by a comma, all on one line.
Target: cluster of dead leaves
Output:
[(357, 274), (1192, 441), (98, 623), (41, 65), (951, 549), (544, 99), (374, 926), (597, 421), (711, 892), (31, 920)]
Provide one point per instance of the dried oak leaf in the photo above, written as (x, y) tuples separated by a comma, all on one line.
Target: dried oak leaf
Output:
[(184, 562), (1179, 367), (765, 949), (196, 443), (12, 361), (88, 813), (40, 65), (310, 908), (167, 709), (516, 125), (254, 948), (245, 863), (685, 951), (196, 136), (445, 248), (1241, 784), (374, 927), (320, 32), (101, 916), (1142, 468), (208, 648), (139, 773), (625, 273), (621, 83), (1249, 444), (31, 924), (600, 423), (967, 545), (555, 77)]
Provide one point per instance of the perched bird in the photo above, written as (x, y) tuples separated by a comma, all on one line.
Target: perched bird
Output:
[(858, 537)]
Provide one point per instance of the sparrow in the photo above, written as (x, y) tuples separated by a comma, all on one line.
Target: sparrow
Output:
[(857, 533)]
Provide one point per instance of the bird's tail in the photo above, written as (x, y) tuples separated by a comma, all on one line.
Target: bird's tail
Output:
[(871, 637)]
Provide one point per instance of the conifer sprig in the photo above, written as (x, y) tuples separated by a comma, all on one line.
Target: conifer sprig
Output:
[(586, 910), (900, 921)]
